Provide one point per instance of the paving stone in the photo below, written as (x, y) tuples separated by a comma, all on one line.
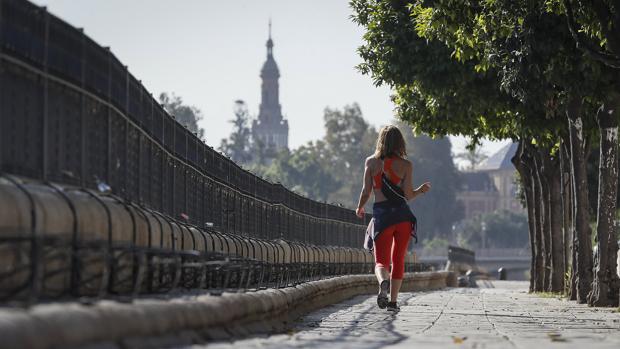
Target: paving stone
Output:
[(503, 315)]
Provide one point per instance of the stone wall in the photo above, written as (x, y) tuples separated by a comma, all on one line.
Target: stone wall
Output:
[(185, 319)]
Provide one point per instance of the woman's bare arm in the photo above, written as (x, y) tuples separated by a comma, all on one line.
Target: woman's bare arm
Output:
[(411, 193), (366, 189)]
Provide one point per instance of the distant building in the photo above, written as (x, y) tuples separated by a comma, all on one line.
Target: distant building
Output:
[(270, 128), (492, 186), (478, 194)]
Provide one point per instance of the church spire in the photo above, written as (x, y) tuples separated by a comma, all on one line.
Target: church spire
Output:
[(270, 127), (269, 42), (270, 68)]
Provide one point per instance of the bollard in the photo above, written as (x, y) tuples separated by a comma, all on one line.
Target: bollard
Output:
[(501, 273), (462, 281), (471, 278)]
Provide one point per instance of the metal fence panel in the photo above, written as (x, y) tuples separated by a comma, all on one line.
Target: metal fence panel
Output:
[(22, 121), (118, 152), (134, 164), (96, 147), (23, 31), (118, 82), (63, 51), (96, 64)]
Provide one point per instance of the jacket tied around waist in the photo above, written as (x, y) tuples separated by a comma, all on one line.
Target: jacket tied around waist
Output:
[(385, 214)]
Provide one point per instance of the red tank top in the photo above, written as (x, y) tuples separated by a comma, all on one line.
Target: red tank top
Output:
[(387, 168)]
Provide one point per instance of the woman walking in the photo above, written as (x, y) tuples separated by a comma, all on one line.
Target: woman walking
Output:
[(388, 174)]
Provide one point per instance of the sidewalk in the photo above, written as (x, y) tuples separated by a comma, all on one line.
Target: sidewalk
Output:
[(501, 316)]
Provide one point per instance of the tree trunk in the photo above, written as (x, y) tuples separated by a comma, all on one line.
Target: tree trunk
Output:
[(568, 221), (519, 161), (573, 274), (583, 245), (605, 284), (543, 216), (552, 172), (531, 220), (538, 244)]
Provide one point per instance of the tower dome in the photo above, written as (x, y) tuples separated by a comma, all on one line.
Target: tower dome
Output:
[(270, 67)]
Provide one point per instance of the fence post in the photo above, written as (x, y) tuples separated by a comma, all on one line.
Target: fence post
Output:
[(2, 127), (109, 118), (126, 138), (44, 122), (82, 110)]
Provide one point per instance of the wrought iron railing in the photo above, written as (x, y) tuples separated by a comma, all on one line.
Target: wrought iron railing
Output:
[(59, 241), (72, 113), (103, 193)]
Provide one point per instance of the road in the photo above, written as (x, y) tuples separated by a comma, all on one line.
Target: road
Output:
[(500, 315)]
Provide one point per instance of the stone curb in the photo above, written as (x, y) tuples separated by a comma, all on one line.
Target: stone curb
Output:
[(187, 319)]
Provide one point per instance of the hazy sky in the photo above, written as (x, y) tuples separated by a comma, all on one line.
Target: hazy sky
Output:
[(210, 53)]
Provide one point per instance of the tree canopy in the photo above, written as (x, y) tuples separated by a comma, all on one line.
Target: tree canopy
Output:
[(238, 145), (187, 115)]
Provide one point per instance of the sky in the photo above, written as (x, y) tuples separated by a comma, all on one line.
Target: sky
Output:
[(210, 53)]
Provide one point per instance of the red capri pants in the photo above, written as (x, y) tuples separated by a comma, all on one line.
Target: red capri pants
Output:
[(393, 242)]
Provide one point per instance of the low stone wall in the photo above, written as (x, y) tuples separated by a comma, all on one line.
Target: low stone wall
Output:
[(185, 319)]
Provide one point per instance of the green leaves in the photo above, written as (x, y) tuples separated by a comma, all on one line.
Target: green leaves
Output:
[(305, 171), (439, 89), (480, 68)]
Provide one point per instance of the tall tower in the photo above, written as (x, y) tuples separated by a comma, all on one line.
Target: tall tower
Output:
[(270, 128)]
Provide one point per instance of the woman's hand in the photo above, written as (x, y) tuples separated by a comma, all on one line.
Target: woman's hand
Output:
[(360, 212), (424, 187)]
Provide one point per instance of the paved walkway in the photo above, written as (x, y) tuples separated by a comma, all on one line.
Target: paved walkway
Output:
[(502, 316)]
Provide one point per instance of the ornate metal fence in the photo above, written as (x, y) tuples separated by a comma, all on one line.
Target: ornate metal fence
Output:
[(72, 113), (103, 193)]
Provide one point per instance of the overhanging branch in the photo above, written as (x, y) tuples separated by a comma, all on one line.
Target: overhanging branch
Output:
[(606, 18), (601, 56)]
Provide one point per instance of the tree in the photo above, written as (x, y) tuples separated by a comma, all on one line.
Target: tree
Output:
[(238, 146), (187, 115), (304, 171), (503, 56), (550, 71), (606, 284), (595, 27), (535, 60), (348, 140)]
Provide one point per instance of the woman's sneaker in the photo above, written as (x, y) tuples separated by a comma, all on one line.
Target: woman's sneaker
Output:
[(393, 307), (382, 299)]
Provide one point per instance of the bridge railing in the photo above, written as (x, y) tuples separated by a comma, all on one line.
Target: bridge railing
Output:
[(72, 113)]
